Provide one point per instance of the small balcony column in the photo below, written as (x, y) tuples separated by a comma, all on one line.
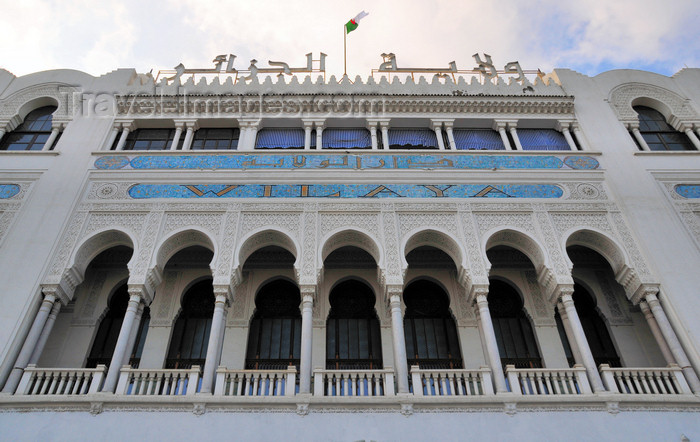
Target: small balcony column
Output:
[(3, 132), (126, 128), (217, 330), (112, 137), (192, 126), (178, 133), (437, 127), (580, 338), (672, 340), (45, 333), (132, 335), (489, 340), (691, 135), (55, 130), (450, 134), (563, 127), (305, 363), (372, 126), (384, 126), (398, 337), (569, 334), (135, 297), (500, 127), (319, 134), (512, 128), (308, 127), (656, 331), (30, 342), (634, 128), (697, 130), (580, 137)]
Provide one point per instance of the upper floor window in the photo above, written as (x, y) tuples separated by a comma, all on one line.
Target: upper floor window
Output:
[(542, 139), (657, 133), (340, 138), (478, 139), (281, 138), (215, 139), (150, 139), (412, 139), (33, 133)]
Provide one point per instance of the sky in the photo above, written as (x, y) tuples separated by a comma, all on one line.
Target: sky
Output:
[(589, 36)]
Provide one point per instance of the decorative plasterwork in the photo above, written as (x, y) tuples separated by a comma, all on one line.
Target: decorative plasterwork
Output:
[(621, 99), (32, 97)]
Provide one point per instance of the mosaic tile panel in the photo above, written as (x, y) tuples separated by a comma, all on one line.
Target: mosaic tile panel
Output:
[(8, 190), (145, 191), (688, 190), (359, 161)]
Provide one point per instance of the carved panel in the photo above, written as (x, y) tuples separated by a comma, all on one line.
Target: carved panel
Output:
[(252, 221), (210, 221), (477, 270), (93, 294), (60, 261), (542, 309), (308, 253), (622, 96), (446, 222), (611, 298), (167, 300), (630, 245), (487, 221), (392, 257), (228, 245), (366, 222), (147, 244), (556, 254), (566, 221), (100, 221)]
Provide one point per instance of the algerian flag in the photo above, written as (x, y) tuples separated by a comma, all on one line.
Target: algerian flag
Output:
[(355, 22)]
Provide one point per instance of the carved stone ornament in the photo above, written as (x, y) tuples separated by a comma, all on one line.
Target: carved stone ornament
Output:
[(621, 99)]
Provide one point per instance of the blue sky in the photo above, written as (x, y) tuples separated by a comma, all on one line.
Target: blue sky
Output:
[(589, 36)]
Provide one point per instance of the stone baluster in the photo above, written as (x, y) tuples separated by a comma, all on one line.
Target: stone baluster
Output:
[(393, 294), (135, 297), (489, 340), (307, 324), (223, 295)]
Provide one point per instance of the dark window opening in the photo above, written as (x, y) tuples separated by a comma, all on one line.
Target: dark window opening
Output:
[(657, 133), (149, 139), (33, 133), (190, 336), (215, 139)]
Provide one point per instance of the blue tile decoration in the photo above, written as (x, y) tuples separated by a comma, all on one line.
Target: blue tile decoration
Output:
[(8, 190), (346, 161), (145, 191), (688, 190)]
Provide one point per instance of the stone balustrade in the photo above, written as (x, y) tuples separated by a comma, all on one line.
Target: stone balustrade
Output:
[(348, 383), (546, 382), (256, 382), (643, 381), (451, 382), (140, 382), (60, 381)]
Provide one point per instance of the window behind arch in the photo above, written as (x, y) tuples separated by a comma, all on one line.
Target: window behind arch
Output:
[(514, 335), (274, 338), (108, 332), (352, 331), (430, 331), (33, 133), (190, 338), (149, 139), (657, 133)]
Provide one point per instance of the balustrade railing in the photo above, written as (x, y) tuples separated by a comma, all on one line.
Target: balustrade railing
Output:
[(451, 382), (548, 381), (142, 382), (668, 381), (354, 382), (60, 381), (256, 382)]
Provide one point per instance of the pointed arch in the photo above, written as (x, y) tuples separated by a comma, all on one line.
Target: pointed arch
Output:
[(601, 243), (350, 237), (264, 237), (95, 244), (179, 240), (437, 239), (520, 241)]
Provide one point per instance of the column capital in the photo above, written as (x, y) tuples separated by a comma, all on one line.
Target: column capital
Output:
[(563, 125), (477, 291), (56, 292), (645, 292), (384, 123), (308, 291), (125, 124), (499, 125), (249, 122), (186, 122), (60, 125), (223, 290), (308, 123), (562, 293), (141, 291), (376, 121), (393, 292), (631, 125)]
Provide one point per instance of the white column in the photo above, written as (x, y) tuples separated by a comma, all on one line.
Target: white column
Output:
[(3, 132), (252, 135), (372, 126), (176, 137), (307, 330), (491, 344), (45, 333), (581, 342), (384, 125), (399, 338), (514, 134), (697, 131), (132, 335), (122, 341), (437, 127), (308, 126), (450, 135), (52, 138), (638, 136), (319, 135), (213, 348), (243, 136), (580, 137), (693, 139), (569, 334), (191, 127), (112, 136), (501, 128), (673, 342), (656, 331), (29, 343), (569, 140), (126, 128)]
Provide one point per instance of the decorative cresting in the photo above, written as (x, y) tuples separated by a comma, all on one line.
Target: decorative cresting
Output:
[(15, 108), (615, 255), (675, 108)]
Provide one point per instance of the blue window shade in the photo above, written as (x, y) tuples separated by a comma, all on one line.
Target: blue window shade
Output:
[(335, 138), (278, 138), (477, 139), (412, 139), (542, 139)]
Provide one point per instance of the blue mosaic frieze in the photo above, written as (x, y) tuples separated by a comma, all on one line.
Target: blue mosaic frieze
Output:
[(688, 190), (353, 161), (8, 190), (144, 191)]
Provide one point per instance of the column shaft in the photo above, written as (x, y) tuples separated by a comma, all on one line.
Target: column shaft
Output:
[(132, 336), (438, 135), (213, 347), (305, 363), (319, 138), (2, 133), (504, 138), (640, 139), (516, 139), (674, 344), (581, 139), (693, 138), (569, 140), (582, 343), (52, 138), (122, 341), (187, 144), (110, 139), (373, 135), (176, 138), (29, 344), (385, 137), (451, 137), (569, 334), (656, 331), (399, 339), (307, 137), (45, 333), (491, 343), (122, 139)]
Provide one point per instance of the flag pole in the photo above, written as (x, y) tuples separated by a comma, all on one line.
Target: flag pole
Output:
[(345, 51)]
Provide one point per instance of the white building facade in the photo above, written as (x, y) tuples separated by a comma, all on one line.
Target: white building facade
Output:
[(364, 259)]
